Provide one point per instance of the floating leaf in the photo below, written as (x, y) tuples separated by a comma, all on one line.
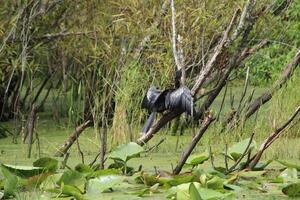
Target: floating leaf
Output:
[(51, 182), (69, 190), (261, 165), (289, 164), (182, 192), (194, 194), (125, 152), (82, 168), (233, 187), (23, 171), (48, 164), (103, 172), (72, 191), (10, 182), (235, 151), (215, 183), (289, 174), (212, 194), (292, 190), (73, 178), (197, 159), (98, 185), (250, 174)]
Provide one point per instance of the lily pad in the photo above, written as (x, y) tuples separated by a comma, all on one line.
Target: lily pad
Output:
[(289, 174), (235, 151), (197, 159), (68, 190), (10, 182), (23, 171), (194, 194), (51, 182), (124, 152), (73, 178), (292, 190), (182, 192), (99, 185), (48, 164)]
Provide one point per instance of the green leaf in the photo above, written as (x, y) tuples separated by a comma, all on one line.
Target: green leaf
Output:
[(23, 171), (194, 194), (72, 191), (73, 178), (197, 159), (292, 190), (48, 164), (289, 164), (261, 165), (82, 168), (182, 192), (103, 172), (251, 174), (176, 180), (289, 174), (98, 185), (212, 194), (215, 183), (68, 190), (235, 151), (125, 152), (10, 182), (51, 182)]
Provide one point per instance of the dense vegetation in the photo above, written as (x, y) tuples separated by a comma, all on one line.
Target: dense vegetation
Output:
[(86, 66)]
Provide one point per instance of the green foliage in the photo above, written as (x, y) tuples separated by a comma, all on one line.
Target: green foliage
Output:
[(23, 171), (197, 159), (236, 151), (292, 190), (98, 185), (48, 164), (9, 182)]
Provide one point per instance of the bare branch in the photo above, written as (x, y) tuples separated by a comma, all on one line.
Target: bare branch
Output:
[(218, 50), (255, 159)]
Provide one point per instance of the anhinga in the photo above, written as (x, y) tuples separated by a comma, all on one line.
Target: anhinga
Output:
[(179, 99)]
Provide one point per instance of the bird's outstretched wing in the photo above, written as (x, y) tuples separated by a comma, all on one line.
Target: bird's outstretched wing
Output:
[(150, 98), (180, 98), (154, 100)]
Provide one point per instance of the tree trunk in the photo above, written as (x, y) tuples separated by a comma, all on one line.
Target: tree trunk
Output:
[(193, 144)]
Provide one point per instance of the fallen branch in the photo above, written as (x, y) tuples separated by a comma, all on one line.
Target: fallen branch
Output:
[(255, 159), (70, 141), (193, 144)]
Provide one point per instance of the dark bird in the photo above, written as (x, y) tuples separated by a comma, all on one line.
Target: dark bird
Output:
[(155, 101)]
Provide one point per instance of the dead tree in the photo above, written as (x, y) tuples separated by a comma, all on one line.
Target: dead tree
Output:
[(219, 50)]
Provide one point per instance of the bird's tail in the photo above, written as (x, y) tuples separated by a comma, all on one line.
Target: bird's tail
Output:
[(149, 123)]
